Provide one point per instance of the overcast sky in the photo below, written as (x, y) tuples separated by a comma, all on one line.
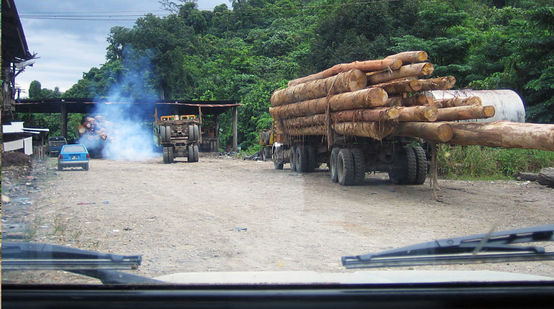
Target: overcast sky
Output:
[(67, 48)]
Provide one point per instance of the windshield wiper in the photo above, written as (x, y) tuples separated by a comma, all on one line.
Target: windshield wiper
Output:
[(481, 248), (37, 256)]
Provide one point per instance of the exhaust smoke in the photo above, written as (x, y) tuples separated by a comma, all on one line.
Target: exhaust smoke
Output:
[(123, 131)]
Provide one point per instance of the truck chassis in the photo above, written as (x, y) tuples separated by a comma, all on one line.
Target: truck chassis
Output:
[(404, 159)]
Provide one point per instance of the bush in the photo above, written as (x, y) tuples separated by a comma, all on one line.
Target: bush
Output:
[(479, 162)]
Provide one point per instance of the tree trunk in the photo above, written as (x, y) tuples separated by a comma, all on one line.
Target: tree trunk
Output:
[(417, 69), (375, 130), (366, 66), (400, 86), (438, 83), (418, 113), (359, 115), (457, 101), (413, 100), (504, 134), (465, 112), (361, 99), (409, 57), (343, 82), (434, 132)]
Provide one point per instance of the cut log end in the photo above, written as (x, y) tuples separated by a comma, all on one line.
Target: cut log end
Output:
[(488, 111), (427, 69)]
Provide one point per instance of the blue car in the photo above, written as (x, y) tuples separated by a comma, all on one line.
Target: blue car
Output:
[(73, 155)]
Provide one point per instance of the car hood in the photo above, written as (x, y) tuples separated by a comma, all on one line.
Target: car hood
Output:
[(356, 277)]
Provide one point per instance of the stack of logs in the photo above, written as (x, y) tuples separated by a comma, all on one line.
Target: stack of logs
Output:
[(388, 97)]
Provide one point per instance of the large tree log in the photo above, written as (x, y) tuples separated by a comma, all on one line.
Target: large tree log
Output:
[(465, 112), (504, 134), (457, 101), (400, 86), (375, 130), (417, 69), (413, 100), (367, 115), (434, 132), (361, 99), (366, 66), (438, 83), (343, 82), (418, 113), (409, 57)]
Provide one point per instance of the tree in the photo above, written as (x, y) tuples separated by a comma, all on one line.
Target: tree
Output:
[(34, 89)]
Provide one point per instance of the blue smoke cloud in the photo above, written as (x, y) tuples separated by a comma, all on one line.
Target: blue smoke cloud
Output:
[(129, 138)]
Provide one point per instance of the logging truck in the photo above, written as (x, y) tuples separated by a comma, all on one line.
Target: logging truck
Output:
[(179, 137)]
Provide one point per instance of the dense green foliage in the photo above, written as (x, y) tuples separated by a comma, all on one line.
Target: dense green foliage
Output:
[(477, 162), (50, 121), (247, 51)]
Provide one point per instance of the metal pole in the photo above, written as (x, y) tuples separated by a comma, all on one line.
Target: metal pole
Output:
[(235, 121), (216, 133), (63, 111)]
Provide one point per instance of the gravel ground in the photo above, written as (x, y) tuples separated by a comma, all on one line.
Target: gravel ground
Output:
[(225, 214)]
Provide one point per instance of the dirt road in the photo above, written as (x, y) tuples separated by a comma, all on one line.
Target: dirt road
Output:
[(224, 214)]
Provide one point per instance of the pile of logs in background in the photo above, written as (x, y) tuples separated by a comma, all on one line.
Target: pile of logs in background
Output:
[(387, 97)]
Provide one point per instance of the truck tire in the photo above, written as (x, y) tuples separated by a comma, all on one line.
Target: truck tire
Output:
[(411, 172), (275, 157), (190, 153), (301, 159), (404, 169), (333, 164), (167, 134), (267, 153), (293, 158), (60, 167), (166, 155), (359, 165), (162, 134), (421, 159), (195, 151), (311, 159), (345, 167), (85, 166), (190, 133), (196, 132), (171, 154)]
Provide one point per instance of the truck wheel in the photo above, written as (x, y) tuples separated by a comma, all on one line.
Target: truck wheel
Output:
[(333, 164), (166, 155), (411, 172), (171, 154), (293, 150), (85, 166), (301, 159), (196, 132), (404, 168), (195, 151), (359, 165), (167, 134), (60, 168), (161, 135), (275, 157), (190, 133), (311, 159), (267, 153), (345, 167), (421, 159), (190, 153)]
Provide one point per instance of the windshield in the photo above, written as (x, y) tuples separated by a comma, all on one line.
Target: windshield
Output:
[(73, 148), (274, 137)]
